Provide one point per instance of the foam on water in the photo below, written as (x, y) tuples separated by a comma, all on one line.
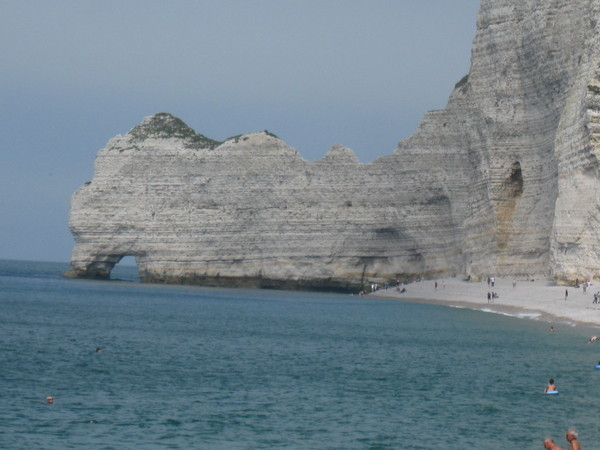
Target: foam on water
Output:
[(520, 315)]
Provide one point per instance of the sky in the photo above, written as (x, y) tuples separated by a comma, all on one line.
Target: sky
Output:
[(74, 74)]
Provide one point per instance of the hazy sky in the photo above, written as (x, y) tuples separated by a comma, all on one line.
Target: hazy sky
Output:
[(315, 72)]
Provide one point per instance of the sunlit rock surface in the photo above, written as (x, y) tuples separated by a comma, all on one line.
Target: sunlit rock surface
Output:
[(503, 181)]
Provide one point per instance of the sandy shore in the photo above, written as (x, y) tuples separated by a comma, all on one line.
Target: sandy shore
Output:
[(540, 299)]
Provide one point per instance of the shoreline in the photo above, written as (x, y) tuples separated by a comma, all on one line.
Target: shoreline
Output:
[(532, 299)]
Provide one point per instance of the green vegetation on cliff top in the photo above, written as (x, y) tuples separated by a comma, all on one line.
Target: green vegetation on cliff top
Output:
[(165, 125)]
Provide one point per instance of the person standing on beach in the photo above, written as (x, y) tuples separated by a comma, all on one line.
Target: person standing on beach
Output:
[(572, 439), (566, 294), (549, 444)]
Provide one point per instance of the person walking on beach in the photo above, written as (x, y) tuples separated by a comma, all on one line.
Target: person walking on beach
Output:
[(566, 294), (572, 439), (549, 444)]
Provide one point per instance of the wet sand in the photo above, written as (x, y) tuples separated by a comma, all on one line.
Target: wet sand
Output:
[(539, 299)]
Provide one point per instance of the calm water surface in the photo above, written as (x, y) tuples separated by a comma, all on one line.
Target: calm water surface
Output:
[(222, 368)]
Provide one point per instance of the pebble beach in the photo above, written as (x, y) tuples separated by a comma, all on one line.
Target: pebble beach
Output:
[(535, 299)]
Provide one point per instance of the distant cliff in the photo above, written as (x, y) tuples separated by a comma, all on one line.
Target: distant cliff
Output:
[(503, 181)]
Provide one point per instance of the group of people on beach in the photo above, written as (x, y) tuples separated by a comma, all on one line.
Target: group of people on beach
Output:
[(585, 285), (571, 437), (491, 296)]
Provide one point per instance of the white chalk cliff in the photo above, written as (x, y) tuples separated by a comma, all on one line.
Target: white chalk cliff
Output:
[(503, 181)]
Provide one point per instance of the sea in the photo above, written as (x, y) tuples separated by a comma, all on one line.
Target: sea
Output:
[(206, 368)]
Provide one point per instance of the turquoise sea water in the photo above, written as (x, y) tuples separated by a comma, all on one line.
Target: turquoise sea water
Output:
[(190, 367)]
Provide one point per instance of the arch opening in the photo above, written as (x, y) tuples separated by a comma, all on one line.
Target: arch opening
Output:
[(126, 269)]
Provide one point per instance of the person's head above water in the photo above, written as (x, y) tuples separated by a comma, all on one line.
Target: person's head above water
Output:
[(551, 381)]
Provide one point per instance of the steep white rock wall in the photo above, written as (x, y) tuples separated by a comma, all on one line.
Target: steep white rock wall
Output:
[(575, 244), (253, 212), (503, 181), (509, 120)]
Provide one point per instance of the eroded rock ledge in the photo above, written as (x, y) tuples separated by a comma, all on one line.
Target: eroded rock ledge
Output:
[(503, 181)]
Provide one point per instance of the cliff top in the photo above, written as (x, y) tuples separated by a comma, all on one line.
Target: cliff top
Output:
[(165, 125)]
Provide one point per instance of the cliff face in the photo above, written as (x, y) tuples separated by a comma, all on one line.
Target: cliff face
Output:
[(503, 181), (251, 211), (522, 123)]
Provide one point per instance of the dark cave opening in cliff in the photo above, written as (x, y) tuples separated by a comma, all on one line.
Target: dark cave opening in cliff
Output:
[(126, 269)]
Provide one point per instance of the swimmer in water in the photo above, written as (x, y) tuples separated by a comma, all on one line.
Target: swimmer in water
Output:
[(551, 386), (549, 444), (98, 349), (49, 399), (593, 339), (572, 440)]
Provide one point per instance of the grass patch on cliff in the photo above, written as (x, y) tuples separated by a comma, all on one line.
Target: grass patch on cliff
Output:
[(165, 125), (462, 83), (245, 137), (593, 88)]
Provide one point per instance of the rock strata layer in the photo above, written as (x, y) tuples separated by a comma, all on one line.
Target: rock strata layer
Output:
[(503, 181)]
